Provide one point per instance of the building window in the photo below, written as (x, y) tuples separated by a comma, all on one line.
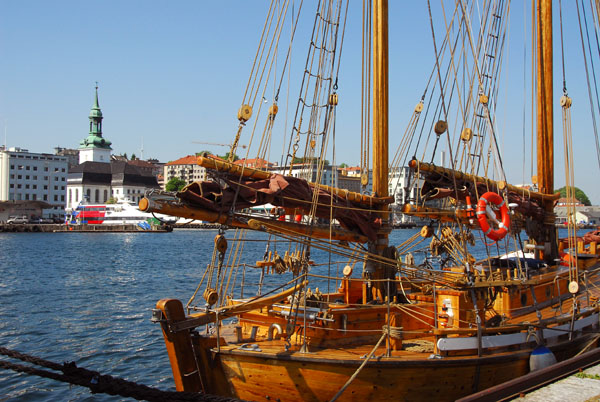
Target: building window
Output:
[(88, 192), (97, 195), (34, 197), (62, 198), (27, 167), (19, 177), (62, 170), (76, 194), (55, 197), (12, 185), (55, 178), (12, 176), (27, 196), (55, 187), (62, 179), (34, 177), (45, 197), (70, 196), (45, 187), (12, 167), (18, 186), (27, 177), (105, 195), (35, 168), (34, 186), (45, 170)]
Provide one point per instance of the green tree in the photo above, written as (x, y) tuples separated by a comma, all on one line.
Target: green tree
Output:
[(343, 165), (579, 194), (125, 155), (175, 184), (133, 157), (226, 157), (111, 200)]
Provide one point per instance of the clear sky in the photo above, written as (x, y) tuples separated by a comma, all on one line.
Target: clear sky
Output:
[(171, 73)]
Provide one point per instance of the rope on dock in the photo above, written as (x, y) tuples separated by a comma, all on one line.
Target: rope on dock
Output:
[(98, 383)]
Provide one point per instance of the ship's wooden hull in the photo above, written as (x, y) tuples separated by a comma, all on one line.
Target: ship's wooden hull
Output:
[(259, 376)]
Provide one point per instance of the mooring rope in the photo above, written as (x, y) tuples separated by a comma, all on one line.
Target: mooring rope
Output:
[(98, 383)]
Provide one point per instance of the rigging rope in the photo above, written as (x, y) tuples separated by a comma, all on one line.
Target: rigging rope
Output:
[(98, 383)]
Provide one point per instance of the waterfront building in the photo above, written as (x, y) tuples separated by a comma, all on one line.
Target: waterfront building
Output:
[(72, 155), (100, 178), (185, 168), (28, 176), (308, 171)]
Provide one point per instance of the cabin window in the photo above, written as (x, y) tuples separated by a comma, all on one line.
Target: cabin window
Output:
[(523, 299)]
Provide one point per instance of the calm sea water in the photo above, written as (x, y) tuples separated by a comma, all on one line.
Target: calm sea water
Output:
[(87, 298)]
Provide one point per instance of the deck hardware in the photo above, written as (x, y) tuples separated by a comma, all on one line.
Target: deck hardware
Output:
[(157, 316), (253, 347)]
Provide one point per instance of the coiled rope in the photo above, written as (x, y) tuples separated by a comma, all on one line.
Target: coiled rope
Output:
[(98, 383)]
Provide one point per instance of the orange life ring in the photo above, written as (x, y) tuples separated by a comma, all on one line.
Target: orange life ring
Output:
[(483, 214)]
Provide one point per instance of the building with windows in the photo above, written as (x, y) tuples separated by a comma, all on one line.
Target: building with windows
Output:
[(99, 178), (186, 168), (27, 176)]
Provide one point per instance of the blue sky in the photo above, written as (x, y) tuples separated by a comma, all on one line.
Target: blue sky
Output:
[(171, 73)]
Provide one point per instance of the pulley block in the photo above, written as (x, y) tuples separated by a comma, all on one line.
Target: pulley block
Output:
[(220, 243)]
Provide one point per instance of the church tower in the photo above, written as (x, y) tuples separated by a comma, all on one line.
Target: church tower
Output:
[(94, 148)]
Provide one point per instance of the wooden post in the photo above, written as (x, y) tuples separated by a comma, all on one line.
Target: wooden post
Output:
[(179, 348)]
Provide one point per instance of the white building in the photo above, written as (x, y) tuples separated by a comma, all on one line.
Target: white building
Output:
[(308, 172), (97, 178), (27, 176)]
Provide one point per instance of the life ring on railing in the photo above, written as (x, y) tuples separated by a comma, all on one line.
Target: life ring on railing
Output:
[(485, 212)]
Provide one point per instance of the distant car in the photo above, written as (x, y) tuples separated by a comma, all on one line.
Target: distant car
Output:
[(17, 219)]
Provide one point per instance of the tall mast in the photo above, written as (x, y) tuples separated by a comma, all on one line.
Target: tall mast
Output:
[(380, 98), (374, 269), (545, 123)]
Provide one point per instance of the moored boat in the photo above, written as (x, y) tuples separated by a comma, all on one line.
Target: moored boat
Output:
[(425, 319)]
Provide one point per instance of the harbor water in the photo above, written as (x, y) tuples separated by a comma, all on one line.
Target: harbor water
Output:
[(87, 298)]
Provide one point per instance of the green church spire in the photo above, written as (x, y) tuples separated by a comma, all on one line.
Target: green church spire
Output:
[(94, 139)]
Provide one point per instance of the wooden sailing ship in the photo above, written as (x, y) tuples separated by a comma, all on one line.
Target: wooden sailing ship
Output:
[(435, 327)]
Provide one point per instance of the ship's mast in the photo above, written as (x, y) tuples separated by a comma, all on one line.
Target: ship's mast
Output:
[(380, 98), (545, 124), (373, 269)]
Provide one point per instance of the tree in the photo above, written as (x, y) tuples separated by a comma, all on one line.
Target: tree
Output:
[(111, 200), (125, 155), (133, 157), (226, 157), (175, 184), (343, 165), (579, 194)]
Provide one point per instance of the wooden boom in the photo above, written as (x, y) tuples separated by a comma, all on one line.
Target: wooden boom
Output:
[(185, 211), (224, 166), (431, 168)]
